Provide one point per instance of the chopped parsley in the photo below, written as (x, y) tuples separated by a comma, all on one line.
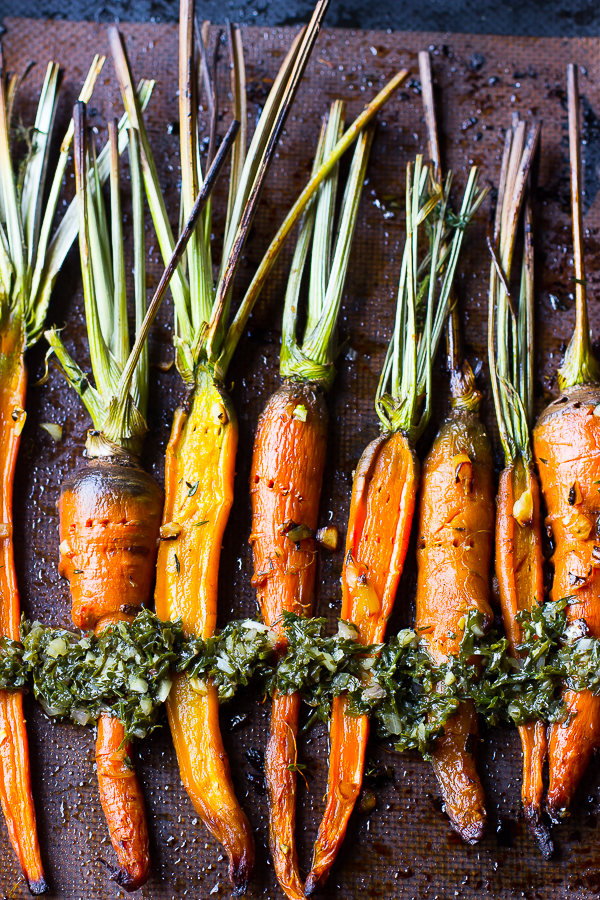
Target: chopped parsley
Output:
[(127, 670)]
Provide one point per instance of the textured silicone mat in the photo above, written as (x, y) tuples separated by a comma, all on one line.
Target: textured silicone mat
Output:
[(404, 848)]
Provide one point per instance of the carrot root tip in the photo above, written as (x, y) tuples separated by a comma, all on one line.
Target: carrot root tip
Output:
[(240, 873), (123, 878), (540, 832), (312, 883), (471, 832), (37, 887)]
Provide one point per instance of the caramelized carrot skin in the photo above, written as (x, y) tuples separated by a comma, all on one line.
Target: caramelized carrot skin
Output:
[(453, 761), (566, 443), (15, 776), (199, 476), (381, 512), (454, 552), (110, 514), (519, 570), (121, 795), (109, 519), (285, 487), (281, 753)]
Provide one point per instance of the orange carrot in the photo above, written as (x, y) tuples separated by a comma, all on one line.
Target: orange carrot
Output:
[(565, 444), (288, 464), (454, 549), (29, 264), (110, 510), (120, 792), (565, 447), (454, 552), (199, 476), (285, 488), (386, 479), (15, 779), (519, 561), (385, 489)]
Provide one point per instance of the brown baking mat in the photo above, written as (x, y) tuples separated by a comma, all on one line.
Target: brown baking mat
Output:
[(404, 848)]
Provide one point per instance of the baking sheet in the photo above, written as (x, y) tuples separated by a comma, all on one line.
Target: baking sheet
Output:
[(404, 848)]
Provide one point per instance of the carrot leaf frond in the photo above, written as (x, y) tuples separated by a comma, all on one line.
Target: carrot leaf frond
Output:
[(26, 216), (240, 319), (313, 359), (51, 254), (76, 377), (403, 398), (118, 414)]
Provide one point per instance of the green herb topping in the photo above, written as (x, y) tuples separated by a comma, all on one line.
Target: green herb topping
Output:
[(127, 670)]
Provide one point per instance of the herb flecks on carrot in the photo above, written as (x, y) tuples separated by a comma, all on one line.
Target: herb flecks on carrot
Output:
[(289, 461), (29, 264), (386, 480)]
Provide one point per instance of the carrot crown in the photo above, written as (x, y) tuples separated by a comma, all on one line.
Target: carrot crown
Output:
[(330, 252), (510, 326), (579, 365), (118, 417), (29, 259), (403, 399)]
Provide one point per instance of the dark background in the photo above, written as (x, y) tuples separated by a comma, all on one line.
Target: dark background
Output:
[(569, 18)]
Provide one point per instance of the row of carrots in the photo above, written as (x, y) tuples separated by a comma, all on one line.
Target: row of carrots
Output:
[(113, 516)]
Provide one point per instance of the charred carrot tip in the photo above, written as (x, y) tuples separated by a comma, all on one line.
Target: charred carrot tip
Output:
[(540, 831), (240, 873), (125, 879), (473, 832), (37, 887), (312, 883)]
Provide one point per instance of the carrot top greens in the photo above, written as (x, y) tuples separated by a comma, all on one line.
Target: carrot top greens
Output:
[(313, 360), (403, 399), (203, 337), (29, 258), (510, 326), (118, 424)]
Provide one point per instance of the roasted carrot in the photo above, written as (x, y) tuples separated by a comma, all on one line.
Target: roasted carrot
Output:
[(565, 442), (454, 553), (29, 263), (386, 482), (288, 464), (518, 556), (454, 547), (110, 509)]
